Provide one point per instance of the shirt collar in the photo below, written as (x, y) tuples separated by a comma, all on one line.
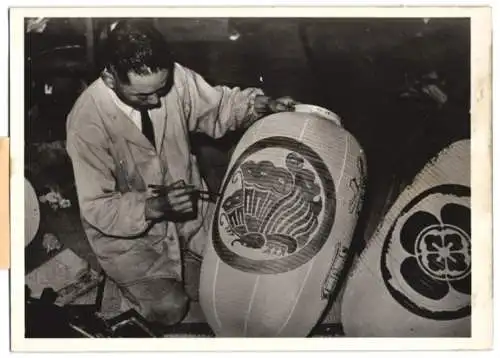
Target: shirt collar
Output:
[(125, 108)]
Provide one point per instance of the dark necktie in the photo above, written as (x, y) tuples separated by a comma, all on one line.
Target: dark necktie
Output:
[(147, 127)]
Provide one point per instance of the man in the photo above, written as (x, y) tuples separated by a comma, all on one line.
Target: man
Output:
[(129, 131)]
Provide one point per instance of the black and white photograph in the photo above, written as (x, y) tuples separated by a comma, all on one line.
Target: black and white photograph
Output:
[(243, 176)]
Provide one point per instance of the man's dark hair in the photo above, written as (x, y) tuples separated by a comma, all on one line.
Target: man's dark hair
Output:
[(135, 45)]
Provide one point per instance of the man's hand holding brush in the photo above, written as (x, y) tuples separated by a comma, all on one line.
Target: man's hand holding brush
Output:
[(170, 202)]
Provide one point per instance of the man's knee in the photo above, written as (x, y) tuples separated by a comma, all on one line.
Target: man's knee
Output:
[(172, 307)]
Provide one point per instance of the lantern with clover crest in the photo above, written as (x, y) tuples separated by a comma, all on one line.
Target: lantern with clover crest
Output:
[(414, 277)]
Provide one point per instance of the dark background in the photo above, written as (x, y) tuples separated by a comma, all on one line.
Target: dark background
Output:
[(372, 72)]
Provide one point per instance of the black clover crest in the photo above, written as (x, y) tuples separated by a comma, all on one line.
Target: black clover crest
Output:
[(440, 251)]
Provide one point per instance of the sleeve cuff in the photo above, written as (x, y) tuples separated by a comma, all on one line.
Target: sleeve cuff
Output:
[(253, 111)]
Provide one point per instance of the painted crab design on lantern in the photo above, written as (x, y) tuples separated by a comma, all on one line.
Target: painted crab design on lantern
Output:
[(276, 210), (426, 261)]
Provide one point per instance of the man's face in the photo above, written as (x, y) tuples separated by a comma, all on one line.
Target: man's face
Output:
[(144, 91)]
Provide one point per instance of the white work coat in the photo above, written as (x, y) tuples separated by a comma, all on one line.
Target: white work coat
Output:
[(114, 163)]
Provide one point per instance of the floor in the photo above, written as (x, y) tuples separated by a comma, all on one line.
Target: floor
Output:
[(194, 324)]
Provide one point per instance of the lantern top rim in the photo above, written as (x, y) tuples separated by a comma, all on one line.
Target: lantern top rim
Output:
[(318, 111)]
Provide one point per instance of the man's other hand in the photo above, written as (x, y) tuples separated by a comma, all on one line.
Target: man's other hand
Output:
[(266, 105)]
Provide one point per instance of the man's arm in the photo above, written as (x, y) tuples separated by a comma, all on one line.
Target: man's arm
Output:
[(111, 212), (214, 110)]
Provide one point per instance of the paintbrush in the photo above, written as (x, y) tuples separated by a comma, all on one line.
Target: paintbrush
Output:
[(202, 194), (207, 195)]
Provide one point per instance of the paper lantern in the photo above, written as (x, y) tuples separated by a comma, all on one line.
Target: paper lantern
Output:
[(414, 277), (31, 212), (282, 226)]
